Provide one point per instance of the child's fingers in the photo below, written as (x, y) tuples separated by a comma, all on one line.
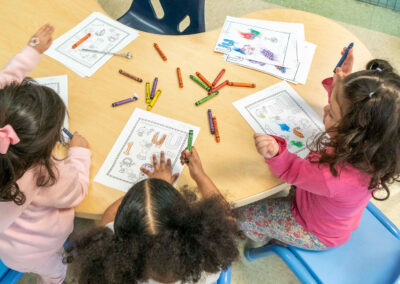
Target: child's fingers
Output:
[(145, 171), (174, 177), (169, 163), (155, 162), (162, 159)]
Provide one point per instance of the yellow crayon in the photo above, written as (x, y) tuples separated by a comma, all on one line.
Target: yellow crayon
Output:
[(153, 101), (147, 92)]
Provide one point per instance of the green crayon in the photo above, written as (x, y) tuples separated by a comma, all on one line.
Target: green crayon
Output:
[(190, 140), (210, 96), (201, 83)]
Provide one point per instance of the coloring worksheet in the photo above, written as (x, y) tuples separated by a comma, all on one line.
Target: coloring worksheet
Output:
[(274, 43), (60, 85), (280, 111), (144, 134), (105, 35), (297, 74)]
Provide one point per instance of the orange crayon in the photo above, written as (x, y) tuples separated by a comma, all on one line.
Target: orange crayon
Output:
[(220, 86), (178, 70), (81, 40), (216, 131), (218, 77), (160, 52), (202, 78), (236, 84)]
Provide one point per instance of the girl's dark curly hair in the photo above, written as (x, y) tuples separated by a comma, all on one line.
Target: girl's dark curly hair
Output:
[(159, 234), (368, 134), (37, 114)]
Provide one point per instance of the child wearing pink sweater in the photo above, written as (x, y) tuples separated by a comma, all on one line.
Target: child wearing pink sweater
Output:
[(357, 157), (38, 192)]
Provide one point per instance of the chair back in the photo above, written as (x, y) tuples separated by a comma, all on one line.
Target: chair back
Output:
[(142, 16), (7, 275)]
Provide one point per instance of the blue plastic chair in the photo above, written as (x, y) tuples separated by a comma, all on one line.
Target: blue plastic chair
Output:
[(225, 276), (141, 15), (8, 276), (372, 255)]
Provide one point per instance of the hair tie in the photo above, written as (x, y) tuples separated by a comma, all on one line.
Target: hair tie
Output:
[(7, 137), (371, 94), (378, 69)]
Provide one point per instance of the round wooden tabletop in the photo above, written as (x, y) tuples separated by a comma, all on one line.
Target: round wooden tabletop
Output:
[(234, 165)]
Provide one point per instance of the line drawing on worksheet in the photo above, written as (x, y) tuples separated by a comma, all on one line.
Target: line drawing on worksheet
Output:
[(280, 111), (144, 134)]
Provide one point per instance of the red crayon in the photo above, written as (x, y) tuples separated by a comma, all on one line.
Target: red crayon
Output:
[(220, 86), (202, 78), (81, 40), (218, 77)]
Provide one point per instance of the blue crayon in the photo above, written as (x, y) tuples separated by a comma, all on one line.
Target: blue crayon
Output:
[(343, 56), (69, 134)]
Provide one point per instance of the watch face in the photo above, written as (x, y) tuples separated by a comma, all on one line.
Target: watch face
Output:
[(34, 41)]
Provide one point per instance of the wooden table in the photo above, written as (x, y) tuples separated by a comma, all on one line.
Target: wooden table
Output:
[(234, 165)]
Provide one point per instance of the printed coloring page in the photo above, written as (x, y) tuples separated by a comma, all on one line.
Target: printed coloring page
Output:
[(144, 134), (280, 111), (105, 35)]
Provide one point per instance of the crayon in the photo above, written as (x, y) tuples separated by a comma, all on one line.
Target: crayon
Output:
[(199, 102), (202, 78), (217, 138), (153, 90), (153, 101), (148, 92), (122, 72), (178, 70), (236, 84), (128, 100), (218, 77), (210, 122), (76, 44), (190, 140), (200, 83), (160, 52), (220, 86), (69, 134), (343, 58)]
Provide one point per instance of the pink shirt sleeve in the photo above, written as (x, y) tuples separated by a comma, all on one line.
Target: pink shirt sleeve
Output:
[(328, 85), (72, 182), (299, 172), (17, 68)]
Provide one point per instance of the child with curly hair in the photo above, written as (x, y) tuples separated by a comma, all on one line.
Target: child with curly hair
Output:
[(37, 191), (356, 157), (157, 234)]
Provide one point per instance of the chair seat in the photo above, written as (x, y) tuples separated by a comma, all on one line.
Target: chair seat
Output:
[(372, 255), (144, 24)]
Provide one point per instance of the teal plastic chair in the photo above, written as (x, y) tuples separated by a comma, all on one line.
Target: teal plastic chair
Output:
[(8, 276), (371, 256)]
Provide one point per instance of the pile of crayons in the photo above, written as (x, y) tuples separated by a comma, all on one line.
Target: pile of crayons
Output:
[(212, 88), (212, 120), (151, 97)]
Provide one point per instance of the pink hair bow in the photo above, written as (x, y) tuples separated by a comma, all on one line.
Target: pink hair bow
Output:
[(7, 137)]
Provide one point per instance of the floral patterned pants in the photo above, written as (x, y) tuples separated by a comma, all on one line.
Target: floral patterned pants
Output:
[(272, 219)]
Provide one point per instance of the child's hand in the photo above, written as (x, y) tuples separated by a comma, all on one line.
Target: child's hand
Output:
[(347, 66), (44, 36), (78, 141), (162, 170), (266, 145), (195, 167)]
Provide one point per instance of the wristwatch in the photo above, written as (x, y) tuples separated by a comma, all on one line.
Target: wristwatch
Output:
[(34, 41)]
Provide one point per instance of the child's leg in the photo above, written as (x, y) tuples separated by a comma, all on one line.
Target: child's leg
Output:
[(272, 219), (51, 270)]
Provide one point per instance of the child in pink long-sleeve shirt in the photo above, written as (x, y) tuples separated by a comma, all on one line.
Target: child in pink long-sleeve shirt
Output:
[(356, 158), (38, 192)]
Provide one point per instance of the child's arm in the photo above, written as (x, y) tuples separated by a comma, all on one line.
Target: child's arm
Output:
[(204, 183), (291, 168), (72, 177), (24, 62), (110, 213)]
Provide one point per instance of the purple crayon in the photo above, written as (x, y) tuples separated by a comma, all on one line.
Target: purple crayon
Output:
[(134, 98), (210, 121), (153, 90)]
